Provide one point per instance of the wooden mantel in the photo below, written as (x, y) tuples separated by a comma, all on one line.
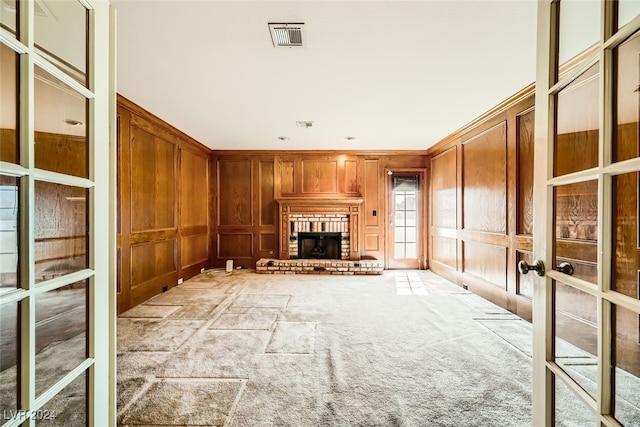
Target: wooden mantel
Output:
[(320, 205)]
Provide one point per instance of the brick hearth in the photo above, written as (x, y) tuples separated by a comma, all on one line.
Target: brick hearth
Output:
[(319, 266)]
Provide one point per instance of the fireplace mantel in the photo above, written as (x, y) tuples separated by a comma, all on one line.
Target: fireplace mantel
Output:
[(319, 201), (320, 205)]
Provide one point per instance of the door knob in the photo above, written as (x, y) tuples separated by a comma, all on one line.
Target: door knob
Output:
[(538, 267), (565, 268)]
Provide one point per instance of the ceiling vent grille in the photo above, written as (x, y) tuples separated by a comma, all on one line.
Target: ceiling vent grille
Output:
[(287, 35)]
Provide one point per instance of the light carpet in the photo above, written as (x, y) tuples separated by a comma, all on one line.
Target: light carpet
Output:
[(400, 349)]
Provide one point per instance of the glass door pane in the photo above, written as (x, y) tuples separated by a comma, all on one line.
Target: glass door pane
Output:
[(8, 105), (579, 27), (577, 124), (63, 41), (405, 196), (627, 99)]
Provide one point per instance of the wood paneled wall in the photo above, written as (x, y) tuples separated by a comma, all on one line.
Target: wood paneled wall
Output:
[(481, 206), (163, 205), (244, 209), (246, 184)]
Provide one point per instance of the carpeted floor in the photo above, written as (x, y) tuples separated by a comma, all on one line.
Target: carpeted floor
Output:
[(400, 349)]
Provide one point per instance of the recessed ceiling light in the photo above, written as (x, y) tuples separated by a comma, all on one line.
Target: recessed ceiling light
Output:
[(283, 138), (304, 124), (349, 138)]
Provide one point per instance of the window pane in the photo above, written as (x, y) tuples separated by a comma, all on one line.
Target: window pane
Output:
[(8, 104), (61, 333), (578, 124), (60, 230), (627, 365), (400, 204), (576, 228), (411, 234), (627, 10), (61, 37), (398, 250), (9, 15), (399, 221), (411, 201), (399, 234), (411, 218), (67, 408), (624, 237), (576, 335), (60, 127), (8, 357), (570, 410), (627, 99), (9, 209), (579, 27)]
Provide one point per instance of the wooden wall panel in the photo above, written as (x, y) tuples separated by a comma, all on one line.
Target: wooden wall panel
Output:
[(268, 205), (163, 205), (245, 197), (150, 260), (235, 189), (489, 192), (268, 242), (306, 174), (235, 246), (350, 177), (372, 243), (287, 178), (444, 189), (195, 250), (484, 174), (371, 189), (152, 181), (373, 209), (319, 176), (486, 262), (445, 250), (194, 172)]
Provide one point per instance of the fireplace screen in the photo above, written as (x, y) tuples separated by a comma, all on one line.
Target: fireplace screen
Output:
[(319, 245)]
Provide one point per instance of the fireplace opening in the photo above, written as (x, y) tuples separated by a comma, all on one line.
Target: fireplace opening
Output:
[(319, 245)]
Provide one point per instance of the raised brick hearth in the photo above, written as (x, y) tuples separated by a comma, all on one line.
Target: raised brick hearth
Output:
[(319, 266)]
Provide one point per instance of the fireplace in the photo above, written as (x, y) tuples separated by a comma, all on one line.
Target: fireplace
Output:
[(319, 245), (305, 219)]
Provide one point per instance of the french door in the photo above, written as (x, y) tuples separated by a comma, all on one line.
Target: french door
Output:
[(586, 302), (405, 189), (56, 300)]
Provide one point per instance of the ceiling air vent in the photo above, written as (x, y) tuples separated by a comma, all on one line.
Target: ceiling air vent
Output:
[(287, 35)]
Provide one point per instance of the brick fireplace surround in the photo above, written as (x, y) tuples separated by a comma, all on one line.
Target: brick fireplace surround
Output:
[(331, 215)]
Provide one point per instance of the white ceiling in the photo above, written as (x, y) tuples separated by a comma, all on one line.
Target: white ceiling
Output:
[(393, 74)]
